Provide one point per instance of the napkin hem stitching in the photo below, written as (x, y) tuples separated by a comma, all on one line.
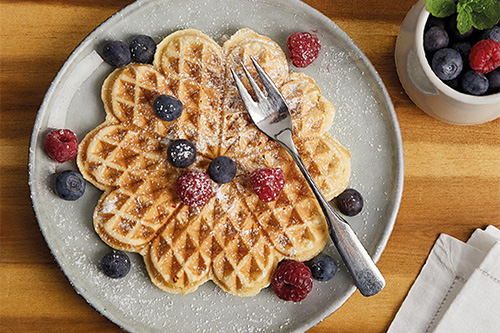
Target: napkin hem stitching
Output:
[(434, 317), (487, 274)]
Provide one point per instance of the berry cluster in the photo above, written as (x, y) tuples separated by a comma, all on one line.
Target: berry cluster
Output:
[(293, 280), (469, 62), (141, 49), (194, 188), (62, 146)]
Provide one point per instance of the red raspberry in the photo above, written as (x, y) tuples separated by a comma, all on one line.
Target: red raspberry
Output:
[(304, 48), (267, 183), (61, 145), (194, 188), (485, 56), (292, 281)]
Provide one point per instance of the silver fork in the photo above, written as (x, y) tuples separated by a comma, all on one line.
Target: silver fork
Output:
[(271, 116)]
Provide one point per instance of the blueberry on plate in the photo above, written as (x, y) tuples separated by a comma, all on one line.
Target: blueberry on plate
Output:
[(115, 264), (142, 49), (222, 169), (116, 53), (181, 153), (447, 64), (167, 107), (350, 202), (474, 83), (435, 38), (322, 267), (70, 185)]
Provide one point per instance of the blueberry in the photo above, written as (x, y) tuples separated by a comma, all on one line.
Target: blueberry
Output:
[(350, 202), (435, 38), (322, 267), (463, 47), (474, 83), (142, 49), (181, 153), (491, 33), (494, 80), (447, 64), (222, 169), (116, 53), (115, 264), (70, 185), (167, 107)]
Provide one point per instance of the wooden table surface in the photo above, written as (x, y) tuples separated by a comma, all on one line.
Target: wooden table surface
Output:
[(452, 182)]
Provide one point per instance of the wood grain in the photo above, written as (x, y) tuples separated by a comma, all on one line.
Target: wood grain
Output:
[(452, 182)]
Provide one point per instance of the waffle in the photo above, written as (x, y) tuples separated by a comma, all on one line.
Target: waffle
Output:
[(235, 240)]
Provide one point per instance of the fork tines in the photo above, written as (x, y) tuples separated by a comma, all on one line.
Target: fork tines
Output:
[(273, 94)]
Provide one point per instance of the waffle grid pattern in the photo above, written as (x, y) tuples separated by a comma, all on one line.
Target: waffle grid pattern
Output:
[(235, 239)]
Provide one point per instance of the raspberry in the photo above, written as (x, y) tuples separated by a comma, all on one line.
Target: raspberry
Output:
[(304, 48), (267, 183), (61, 145), (194, 188), (485, 56), (292, 281)]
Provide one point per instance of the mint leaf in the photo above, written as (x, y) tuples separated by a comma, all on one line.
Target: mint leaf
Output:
[(464, 19), (481, 14), (441, 8), (486, 13)]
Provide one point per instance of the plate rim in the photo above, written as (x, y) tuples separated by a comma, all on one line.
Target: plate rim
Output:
[(385, 233)]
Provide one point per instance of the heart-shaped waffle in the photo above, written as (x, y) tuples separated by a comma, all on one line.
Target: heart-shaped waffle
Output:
[(235, 239)]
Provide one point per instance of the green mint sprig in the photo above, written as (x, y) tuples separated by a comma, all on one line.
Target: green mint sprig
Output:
[(480, 14)]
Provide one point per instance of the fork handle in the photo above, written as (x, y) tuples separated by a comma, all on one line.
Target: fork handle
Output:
[(364, 272)]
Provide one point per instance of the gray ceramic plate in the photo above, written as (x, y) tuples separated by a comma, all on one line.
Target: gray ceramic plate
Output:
[(365, 123)]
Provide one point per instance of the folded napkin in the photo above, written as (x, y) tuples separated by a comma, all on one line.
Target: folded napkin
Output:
[(457, 290)]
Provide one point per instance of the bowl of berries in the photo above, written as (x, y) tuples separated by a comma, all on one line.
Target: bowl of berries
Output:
[(448, 59)]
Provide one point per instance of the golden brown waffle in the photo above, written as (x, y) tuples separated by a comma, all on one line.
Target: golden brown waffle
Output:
[(192, 64), (235, 239)]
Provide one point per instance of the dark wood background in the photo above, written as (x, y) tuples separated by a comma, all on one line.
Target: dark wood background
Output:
[(452, 182)]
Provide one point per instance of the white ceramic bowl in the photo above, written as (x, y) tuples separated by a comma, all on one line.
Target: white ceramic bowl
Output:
[(425, 89)]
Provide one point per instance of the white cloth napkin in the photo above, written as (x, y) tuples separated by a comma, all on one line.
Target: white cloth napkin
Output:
[(457, 290)]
